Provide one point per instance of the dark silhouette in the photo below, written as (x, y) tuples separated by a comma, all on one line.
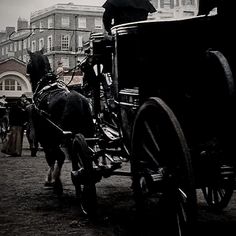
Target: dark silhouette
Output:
[(125, 11), (17, 119), (56, 109)]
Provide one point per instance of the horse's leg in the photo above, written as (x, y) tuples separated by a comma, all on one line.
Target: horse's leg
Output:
[(60, 158), (50, 158)]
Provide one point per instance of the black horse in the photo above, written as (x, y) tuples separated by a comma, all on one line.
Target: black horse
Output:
[(56, 110)]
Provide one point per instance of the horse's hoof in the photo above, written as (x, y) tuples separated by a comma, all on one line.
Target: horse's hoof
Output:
[(49, 185), (58, 188)]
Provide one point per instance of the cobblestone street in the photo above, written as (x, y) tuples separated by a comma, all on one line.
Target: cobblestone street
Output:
[(26, 208)]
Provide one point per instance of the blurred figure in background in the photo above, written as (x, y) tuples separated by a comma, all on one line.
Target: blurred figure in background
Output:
[(60, 71), (17, 119)]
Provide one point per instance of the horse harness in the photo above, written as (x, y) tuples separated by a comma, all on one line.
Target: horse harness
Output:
[(47, 87)]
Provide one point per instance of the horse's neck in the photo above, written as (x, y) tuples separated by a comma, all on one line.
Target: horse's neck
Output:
[(45, 80)]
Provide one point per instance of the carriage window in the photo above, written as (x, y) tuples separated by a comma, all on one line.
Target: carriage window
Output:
[(65, 42)]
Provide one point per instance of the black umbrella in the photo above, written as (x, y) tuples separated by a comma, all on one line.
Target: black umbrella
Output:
[(139, 4)]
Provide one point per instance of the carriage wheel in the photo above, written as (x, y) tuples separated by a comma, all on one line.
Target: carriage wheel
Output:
[(161, 165), (83, 179), (218, 192), (218, 197)]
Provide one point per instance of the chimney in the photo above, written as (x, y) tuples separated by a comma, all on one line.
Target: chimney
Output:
[(21, 24), (9, 30)]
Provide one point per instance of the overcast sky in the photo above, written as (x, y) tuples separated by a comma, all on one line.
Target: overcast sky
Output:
[(11, 10)]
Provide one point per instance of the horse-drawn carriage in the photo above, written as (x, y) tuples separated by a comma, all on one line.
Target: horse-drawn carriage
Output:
[(174, 117)]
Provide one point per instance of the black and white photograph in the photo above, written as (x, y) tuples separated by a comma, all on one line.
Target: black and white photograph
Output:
[(117, 117)]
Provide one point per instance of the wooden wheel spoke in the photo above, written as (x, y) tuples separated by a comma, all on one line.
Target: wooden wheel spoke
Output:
[(150, 154), (216, 196), (151, 136)]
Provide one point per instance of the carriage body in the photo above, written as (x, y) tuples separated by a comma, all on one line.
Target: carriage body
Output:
[(173, 83), (174, 117), (171, 60)]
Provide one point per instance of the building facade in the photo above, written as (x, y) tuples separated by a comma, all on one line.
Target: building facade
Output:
[(62, 30), (174, 8), (13, 80)]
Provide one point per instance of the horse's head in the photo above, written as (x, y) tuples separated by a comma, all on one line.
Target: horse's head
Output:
[(37, 67)]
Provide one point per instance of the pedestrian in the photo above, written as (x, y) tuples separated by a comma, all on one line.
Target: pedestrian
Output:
[(125, 11), (17, 119), (3, 102), (30, 130), (60, 71)]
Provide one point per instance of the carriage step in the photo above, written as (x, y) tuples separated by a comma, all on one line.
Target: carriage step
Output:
[(227, 172), (107, 170)]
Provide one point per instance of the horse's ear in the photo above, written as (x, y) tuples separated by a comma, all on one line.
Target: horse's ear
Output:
[(42, 50), (29, 52)]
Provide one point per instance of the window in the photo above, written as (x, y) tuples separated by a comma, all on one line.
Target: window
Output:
[(41, 26), (65, 41), (3, 51), (65, 62), (80, 41), (33, 27), (10, 85), (41, 43), (50, 22), (82, 22), (49, 44), (25, 58), (6, 49), (188, 2), (65, 21), (19, 45), (15, 46), (11, 47), (25, 44), (33, 46), (29, 42), (51, 62), (98, 23)]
